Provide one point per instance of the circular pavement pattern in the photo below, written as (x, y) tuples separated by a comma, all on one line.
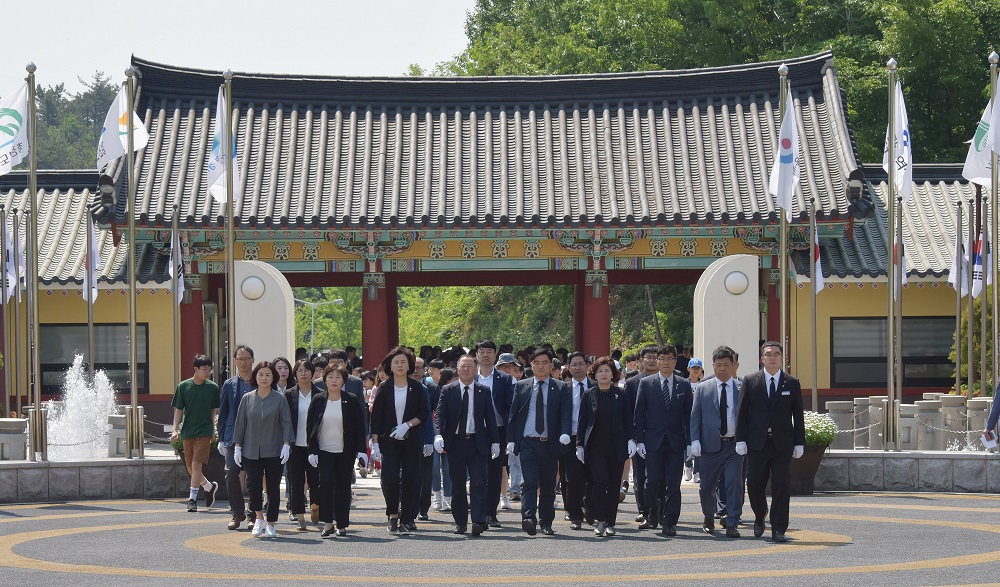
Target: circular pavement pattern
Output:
[(835, 539)]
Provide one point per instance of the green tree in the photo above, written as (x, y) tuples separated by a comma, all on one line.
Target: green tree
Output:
[(337, 325)]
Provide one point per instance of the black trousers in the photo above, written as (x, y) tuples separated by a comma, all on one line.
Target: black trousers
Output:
[(605, 473), (401, 477), (574, 483), (770, 463), (426, 467), (462, 458), (336, 471), (237, 505), (257, 471), (538, 467), (494, 475), (299, 471)]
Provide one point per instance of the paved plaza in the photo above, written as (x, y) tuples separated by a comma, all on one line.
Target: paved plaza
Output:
[(836, 539)]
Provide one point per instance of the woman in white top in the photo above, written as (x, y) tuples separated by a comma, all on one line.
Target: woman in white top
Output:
[(284, 380), (298, 471), (336, 431)]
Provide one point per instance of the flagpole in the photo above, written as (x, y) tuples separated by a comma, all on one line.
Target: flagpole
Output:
[(970, 355), (7, 384), (174, 234), (813, 267), (891, 227), (226, 147), (995, 235), (983, 305), (89, 289), (38, 436), (16, 238), (135, 432), (958, 297), (897, 259), (783, 233)]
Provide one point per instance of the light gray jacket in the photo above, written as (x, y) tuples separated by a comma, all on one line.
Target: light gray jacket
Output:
[(263, 425)]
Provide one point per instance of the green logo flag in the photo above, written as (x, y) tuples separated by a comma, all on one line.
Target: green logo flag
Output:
[(13, 129), (977, 162)]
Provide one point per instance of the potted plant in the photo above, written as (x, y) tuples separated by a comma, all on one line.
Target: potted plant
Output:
[(820, 431)]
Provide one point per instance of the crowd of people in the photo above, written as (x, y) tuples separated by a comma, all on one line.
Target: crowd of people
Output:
[(471, 430)]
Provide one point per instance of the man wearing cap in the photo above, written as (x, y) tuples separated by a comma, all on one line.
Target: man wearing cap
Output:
[(697, 370), (509, 364), (501, 388)]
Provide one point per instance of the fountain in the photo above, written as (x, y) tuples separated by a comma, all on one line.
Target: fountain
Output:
[(78, 425)]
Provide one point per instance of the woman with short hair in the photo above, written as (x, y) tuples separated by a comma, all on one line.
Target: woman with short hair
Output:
[(298, 470)]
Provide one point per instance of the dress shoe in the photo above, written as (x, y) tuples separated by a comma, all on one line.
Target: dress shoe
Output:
[(640, 519), (393, 525), (669, 531), (648, 524), (720, 515), (547, 530), (566, 517), (341, 531), (778, 537), (328, 531), (528, 525), (708, 526), (422, 517), (732, 532), (609, 531), (600, 529), (408, 526), (459, 530), (477, 529), (236, 521), (576, 525), (758, 528), (493, 522)]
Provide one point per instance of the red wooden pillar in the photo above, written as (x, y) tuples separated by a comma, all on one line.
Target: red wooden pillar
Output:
[(193, 331), (594, 320), (375, 342)]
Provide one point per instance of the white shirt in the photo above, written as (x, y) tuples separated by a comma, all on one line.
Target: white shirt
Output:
[(399, 395), (470, 418), (488, 382), (730, 405), (331, 431), (529, 423), (300, 428), (577, 395)]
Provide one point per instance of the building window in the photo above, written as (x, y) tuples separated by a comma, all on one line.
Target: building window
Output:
[(859, 347), (59, 343)]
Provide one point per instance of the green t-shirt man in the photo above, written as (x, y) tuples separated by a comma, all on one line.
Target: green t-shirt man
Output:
[(196, 400)]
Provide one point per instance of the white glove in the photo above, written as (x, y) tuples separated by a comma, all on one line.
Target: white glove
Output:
[(399, 432), (428, 449), (238, 456), (797, 451), (579, 453), (564, 439), (364, 459), (285, 451), (314, 461), (741, 448), (695, 448), (495, 450), (376, 453), (510, 448), (222, 450), (439, 444), (640, 449), (631, 448)]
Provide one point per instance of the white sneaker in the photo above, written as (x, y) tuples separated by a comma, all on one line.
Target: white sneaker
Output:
[(436, 501), (688, 473), (258, 528), (270, 532), (504, 502), (697, 478), (446, 504)]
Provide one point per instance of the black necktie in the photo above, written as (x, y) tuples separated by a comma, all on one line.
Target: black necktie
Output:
[(666, 392), (724, 412), (540, 409), (463, 414), (770, 390)]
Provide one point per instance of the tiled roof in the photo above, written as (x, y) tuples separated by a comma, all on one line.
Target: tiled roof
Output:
[(631, 149), (929, 229), (65, 196)]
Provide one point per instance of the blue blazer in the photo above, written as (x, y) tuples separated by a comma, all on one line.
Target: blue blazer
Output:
[(658, 426), (559, 412), (450, 406), (706, 426)]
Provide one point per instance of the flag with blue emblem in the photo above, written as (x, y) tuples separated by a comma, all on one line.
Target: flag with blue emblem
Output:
[(785, 170), (902, 146), (220, 158)]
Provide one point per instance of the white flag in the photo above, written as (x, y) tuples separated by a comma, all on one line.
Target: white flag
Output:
[(92, 264), (785, 170), (902, 149), (219, 157), (13, 129), (978, 162), (981, 260), (114, 135), (963, 273), (10, 267), (177, 263), (902, 264), (994, 136), (818, 280)]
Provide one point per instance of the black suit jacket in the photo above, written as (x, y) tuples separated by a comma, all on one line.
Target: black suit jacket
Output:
[(656, 424), (354, 386), (503, 394), (450, 406), (354, 430), (384, 411), (559, 412), (292, 395), (781, 414), (621, 420)]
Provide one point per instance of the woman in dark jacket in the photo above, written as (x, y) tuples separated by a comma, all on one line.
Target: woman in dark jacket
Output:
[(298, 470), (604, 441), (398, 410), (336, 431)]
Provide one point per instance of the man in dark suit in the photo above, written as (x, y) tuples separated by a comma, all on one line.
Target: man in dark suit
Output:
[(539, 415), (501, 388), (467, 430), (647, 366), (713, 438), (662, 434), (770, 429), (574, 477)]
